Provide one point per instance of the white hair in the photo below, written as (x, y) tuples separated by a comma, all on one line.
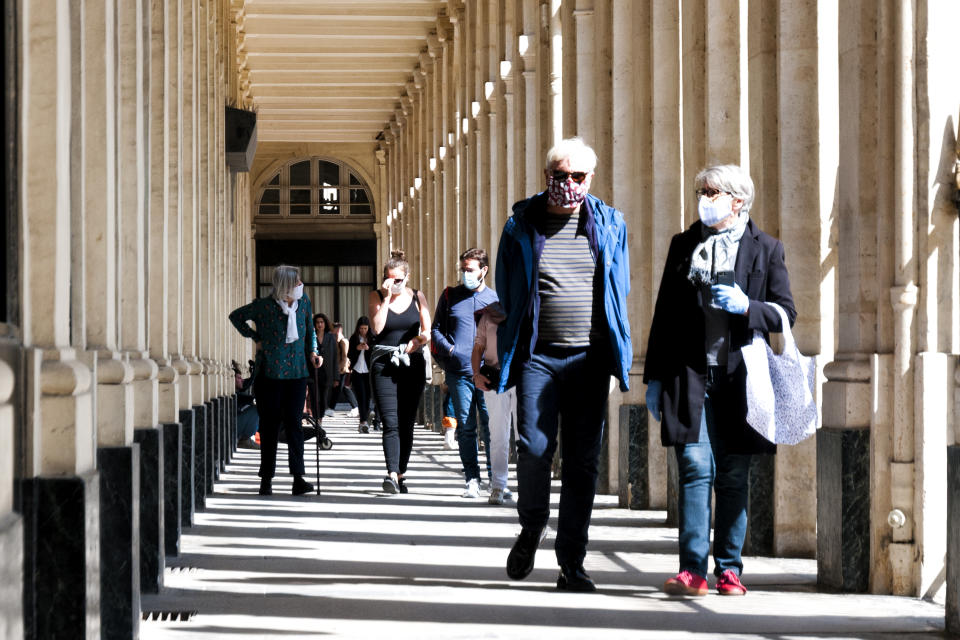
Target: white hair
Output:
[(284, 280), (581, 157), (730, 178)]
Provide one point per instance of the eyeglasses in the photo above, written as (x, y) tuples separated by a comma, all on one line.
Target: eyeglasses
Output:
[(397, 280), (710, 192), (577, 176)]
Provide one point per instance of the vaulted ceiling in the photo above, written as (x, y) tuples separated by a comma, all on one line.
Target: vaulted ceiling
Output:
[(329, 70)]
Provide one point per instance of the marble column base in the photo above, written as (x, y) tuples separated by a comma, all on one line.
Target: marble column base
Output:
[(673, 489), (152, 556), (759, 538), (603, 464), (634, 422), (119, 469), (172, 458), (843, 509), (187, 472), (213, 467), (61, 519), (225, 444), (953, 540), (199, 457), (11, 576), (428, 407), (231, 426)]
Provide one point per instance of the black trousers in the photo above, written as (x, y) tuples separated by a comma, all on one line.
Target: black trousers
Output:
[(361, 388), (280, 403), (317, 394), (397, 391)]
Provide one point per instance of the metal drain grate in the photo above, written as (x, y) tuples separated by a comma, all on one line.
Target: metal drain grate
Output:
[(169, 616)]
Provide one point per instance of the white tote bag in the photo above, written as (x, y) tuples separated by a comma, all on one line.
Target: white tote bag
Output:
[(781, 405)]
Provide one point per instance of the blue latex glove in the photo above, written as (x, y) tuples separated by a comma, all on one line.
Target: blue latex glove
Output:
[(653, 399), (730, 299)]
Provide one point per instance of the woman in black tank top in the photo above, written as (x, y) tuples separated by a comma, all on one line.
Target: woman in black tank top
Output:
[(400, 327)]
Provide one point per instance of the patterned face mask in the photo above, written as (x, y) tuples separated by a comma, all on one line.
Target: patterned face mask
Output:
[(567, 193)]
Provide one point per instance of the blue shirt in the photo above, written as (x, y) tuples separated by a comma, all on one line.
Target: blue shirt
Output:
[(455, 325)]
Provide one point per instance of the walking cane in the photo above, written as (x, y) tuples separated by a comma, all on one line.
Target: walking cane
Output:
[(316, 437)]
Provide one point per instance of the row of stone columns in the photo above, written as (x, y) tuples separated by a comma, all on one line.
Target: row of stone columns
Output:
[(837, 112), (135, 246)]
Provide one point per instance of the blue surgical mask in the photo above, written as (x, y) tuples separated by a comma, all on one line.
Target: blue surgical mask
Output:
[(713, 211), (469, 280)]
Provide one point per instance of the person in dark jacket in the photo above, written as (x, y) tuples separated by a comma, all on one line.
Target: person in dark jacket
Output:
[(718, 275), (358, 355), (320, 381), (563, 276), (285, 341), (454, 328)]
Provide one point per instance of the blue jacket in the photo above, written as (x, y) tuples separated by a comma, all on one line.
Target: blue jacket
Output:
[(455, 326), (518, 256)]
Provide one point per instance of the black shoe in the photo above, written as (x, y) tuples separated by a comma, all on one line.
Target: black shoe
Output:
[(363, 429), (575, 579), (301, 486), (390, 485), (402, 486), (266, 486), (520, 560)]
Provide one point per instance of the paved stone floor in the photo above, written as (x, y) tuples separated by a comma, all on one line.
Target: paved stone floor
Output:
[(356, 563)]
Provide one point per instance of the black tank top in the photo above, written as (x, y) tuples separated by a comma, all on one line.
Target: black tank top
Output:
[(400, 328)]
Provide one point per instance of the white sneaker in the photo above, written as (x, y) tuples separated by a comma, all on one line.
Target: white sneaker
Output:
[(507, 494), (496, 496), (353, 413), (328, 413), (473, 489), (450, 439)]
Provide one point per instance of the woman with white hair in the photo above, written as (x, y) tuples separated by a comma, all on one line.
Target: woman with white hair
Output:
[(285, 338), (719, 274)]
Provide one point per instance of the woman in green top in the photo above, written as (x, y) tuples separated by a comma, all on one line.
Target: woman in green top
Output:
[(284, 333)]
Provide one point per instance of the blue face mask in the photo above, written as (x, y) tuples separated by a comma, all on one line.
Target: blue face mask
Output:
[(469, 280)]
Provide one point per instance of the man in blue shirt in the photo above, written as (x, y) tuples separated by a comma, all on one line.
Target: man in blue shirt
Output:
[(563, 276), (453, 331)]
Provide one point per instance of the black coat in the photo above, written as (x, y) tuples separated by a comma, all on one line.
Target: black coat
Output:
[(676, 351)]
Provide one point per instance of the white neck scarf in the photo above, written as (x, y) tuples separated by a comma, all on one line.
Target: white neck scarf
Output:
[(291, 312)]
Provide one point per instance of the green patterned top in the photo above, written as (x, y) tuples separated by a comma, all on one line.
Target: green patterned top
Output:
[(282, 360)]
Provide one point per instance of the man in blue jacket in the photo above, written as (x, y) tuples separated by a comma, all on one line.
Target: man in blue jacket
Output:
[(453, 330), (563, 277)]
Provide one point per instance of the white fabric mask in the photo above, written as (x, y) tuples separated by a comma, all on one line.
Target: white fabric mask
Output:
[(713, 211), (297, 292)]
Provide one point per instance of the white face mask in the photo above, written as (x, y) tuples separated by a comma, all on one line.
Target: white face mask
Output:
[(713, 211), (297, 292), (397, 287)]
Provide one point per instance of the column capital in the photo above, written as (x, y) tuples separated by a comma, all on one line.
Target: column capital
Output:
[(381, 156)]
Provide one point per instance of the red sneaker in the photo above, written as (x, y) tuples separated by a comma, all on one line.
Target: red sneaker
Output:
[(686, 584), (729, 584)]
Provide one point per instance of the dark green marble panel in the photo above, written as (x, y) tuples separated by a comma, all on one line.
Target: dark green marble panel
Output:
[(119, 469)]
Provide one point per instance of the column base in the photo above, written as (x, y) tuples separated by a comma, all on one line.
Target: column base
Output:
[(213, 467), (172, 457), (437, 407), (119, 469), (11, 576), (61, 557), (636, 473), (759, 538), (843, 509), (199, 457), (152, 556), (953, 540), (187, 471)]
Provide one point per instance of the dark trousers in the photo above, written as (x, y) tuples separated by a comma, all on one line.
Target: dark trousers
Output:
[(361, 387), (342, 391), (565, 389), (397, 391), (280, 404), (317, 394)]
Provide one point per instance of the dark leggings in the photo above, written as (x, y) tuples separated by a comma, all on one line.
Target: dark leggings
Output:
[(361, 387), (280, 403), (397, 391), (317, 398)]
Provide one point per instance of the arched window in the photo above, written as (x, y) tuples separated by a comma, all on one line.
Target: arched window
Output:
[(318, 188)]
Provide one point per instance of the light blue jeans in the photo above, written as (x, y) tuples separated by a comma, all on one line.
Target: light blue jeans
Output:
[(703, 467)]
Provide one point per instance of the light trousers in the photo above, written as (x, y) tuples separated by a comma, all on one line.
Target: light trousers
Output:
[(502, 412)]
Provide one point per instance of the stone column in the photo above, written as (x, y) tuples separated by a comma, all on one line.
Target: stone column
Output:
[(59, 490), (528, 49), (11, 522)]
